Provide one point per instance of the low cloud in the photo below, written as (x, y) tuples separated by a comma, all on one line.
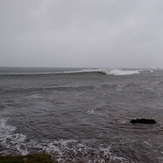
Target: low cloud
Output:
[(60, 33)]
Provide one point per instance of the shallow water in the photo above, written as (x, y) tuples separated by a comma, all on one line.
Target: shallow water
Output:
[(82, 115)]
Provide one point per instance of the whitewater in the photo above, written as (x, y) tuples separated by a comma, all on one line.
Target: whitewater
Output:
[(82, 115)]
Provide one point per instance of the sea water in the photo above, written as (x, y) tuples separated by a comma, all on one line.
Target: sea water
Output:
[(82, 115)]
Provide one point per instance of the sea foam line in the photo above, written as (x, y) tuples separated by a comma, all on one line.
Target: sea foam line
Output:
[(116, 72), (105, 71), (11, 141), (123, 72), (79, 151)]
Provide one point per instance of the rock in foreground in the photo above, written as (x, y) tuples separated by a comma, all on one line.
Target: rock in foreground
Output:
[(143, 121)]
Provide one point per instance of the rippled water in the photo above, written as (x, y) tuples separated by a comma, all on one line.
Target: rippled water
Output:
[(82, 116)]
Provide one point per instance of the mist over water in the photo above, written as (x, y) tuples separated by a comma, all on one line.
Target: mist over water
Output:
[(82, 115)]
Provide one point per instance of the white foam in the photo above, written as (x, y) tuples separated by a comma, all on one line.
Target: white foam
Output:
[(123, 72), (91, 111), (148, 144), (108, 71), (61, 150), (76, 151), (5, 127), (10, 140)]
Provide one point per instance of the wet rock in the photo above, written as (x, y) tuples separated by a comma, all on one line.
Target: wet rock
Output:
[(143, 121)]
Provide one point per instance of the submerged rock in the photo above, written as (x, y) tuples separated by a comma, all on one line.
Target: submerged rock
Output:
[(143, 121)]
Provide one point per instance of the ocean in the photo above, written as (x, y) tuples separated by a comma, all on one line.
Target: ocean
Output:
[(82, 115)]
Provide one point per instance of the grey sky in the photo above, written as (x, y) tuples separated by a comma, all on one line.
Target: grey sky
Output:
[(81, 33)]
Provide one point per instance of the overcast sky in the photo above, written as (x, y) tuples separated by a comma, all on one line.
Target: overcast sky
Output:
[(81, 33)]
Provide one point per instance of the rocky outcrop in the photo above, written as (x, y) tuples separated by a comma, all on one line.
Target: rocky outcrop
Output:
[(143, 121)]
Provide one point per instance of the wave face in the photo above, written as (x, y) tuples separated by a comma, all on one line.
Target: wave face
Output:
[(56, 71), (82, 115)]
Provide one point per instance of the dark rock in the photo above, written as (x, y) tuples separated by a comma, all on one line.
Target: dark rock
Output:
[(143, 121)]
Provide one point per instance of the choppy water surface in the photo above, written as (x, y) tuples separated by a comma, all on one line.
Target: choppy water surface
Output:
[(82, 115)]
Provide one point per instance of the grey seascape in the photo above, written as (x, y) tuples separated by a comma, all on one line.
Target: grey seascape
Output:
[(82, 115)]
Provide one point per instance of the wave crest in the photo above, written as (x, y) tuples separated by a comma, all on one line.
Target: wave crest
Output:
[(104, 71), (123, 72), (116, 72)]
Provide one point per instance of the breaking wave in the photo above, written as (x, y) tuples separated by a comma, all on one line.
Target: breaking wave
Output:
[(123, 72), (105, 71), (117, 72)]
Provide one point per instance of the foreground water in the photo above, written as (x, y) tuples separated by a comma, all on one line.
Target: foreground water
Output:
[(81, 115)]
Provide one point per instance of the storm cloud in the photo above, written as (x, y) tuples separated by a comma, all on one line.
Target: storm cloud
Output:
[(81, 33)]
